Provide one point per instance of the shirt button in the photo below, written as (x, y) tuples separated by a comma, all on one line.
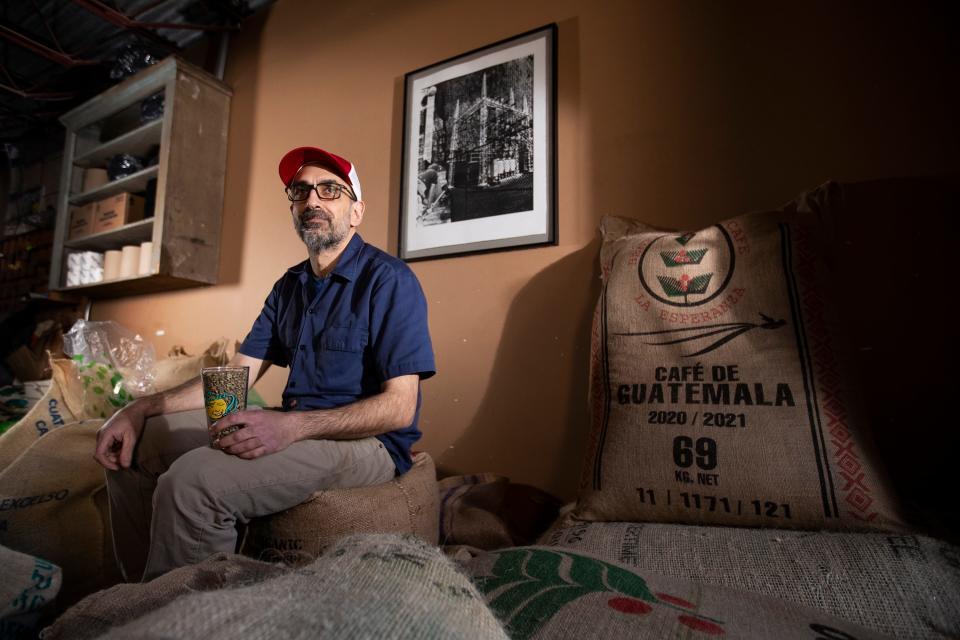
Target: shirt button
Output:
[(293, 383), (303, 347), (310, 311)]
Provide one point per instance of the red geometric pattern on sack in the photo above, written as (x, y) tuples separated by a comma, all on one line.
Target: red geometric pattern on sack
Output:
[(854, 482), (860, 500), (846, 457), (839, 433), (828, 378), (850, 469)]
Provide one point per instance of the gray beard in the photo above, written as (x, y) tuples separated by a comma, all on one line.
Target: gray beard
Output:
[(316, 240)]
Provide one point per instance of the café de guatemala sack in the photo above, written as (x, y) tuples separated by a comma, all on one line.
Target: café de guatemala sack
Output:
[(717, 388)]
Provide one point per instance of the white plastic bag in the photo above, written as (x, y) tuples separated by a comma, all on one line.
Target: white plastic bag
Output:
[(114, 364)]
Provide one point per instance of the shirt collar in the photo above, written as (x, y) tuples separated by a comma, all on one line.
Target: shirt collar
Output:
[(347, 265)]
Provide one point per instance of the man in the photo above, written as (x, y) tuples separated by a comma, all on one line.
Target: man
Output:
[(351, 324)]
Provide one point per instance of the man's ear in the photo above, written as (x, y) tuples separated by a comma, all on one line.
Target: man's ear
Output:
[(356, 213)]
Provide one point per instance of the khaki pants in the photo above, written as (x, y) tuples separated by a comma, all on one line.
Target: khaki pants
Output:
[(181, 499)]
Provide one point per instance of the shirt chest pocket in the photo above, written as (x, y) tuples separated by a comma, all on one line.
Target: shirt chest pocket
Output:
[(348, 339), (340, 358)]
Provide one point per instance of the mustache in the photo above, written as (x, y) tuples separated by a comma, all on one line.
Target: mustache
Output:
[(309, 215)]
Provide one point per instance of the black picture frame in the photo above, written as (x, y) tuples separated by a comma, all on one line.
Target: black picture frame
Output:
[(479, 163)]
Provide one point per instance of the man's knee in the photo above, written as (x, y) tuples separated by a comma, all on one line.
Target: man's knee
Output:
[(166, 437), (188, 484)]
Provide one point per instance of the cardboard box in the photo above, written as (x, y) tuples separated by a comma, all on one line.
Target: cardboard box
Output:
[(81, 221), (117, 211), (93, 178)]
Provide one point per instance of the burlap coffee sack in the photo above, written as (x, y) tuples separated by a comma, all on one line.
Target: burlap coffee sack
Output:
[(28, 587), (368, 586), (905, 586), (718, 390), (406, 504), (99, 612), (543, 592), (487, 511), (48, 508), (179, 366), (61, 404)]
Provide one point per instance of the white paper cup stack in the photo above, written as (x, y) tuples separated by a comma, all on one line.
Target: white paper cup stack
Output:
[(146, 257), (111, 264), (129, 260)]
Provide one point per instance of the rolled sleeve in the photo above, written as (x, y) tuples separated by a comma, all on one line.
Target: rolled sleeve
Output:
[(263, 341)]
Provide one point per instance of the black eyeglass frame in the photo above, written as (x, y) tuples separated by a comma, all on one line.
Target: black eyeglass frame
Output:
[(314, 187)]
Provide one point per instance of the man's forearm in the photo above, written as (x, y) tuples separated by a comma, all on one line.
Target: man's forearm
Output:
[(368, 417), (184, 397), (189, 395), (265, 432)]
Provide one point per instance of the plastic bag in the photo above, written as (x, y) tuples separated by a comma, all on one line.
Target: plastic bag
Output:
[(151, 108), (122, 165), (132, 59), (113, 364)]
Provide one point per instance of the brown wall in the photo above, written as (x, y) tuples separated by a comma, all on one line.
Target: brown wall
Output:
[(678, 113)]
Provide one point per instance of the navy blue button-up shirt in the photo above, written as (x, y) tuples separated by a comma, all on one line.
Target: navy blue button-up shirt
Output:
[(342, 336)]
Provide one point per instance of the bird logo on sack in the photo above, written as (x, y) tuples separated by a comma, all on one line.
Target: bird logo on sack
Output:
[(673, 271), (220, 404)]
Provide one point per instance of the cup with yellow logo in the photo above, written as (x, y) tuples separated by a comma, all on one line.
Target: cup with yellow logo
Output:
[(224, 391)]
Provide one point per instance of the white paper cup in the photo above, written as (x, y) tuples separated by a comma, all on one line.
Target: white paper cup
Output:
[(146, 258), (111, 264), (129, 260)]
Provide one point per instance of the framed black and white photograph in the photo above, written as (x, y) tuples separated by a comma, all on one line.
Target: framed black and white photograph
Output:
[(479, 150)]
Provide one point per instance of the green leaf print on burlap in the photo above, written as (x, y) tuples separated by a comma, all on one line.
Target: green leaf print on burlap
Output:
[(528, 586)]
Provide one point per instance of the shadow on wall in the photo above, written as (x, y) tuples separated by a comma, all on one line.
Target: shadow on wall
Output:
[(396, 168), (535, 415), (242, 75)]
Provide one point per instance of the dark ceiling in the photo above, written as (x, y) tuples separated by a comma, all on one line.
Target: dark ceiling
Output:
[(56, 54)]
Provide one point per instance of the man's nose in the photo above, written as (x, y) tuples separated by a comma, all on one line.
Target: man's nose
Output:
[(313, 200)]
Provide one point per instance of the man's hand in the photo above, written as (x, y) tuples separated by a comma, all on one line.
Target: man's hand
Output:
[(262, 433), (117, 437)]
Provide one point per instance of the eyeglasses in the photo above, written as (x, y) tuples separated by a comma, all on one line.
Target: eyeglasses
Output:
[(300, 191)]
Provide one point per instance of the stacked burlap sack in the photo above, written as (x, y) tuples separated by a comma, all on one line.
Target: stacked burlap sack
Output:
[(393, 587), (725, 389), (906, 586), (487, 511), (407, 504), (28, 587), (546, 593), (53, 502), (387, 587)]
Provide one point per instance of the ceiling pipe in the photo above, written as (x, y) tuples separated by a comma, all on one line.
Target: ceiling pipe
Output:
[(150, 7), (222, 55), (43, 50), (122, 20), (50, 96)]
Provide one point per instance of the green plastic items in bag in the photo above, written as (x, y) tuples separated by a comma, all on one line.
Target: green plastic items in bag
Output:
[(103, 389), (113, 364)]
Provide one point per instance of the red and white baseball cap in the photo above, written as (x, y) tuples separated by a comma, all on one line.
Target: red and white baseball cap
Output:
[(294, 160)]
